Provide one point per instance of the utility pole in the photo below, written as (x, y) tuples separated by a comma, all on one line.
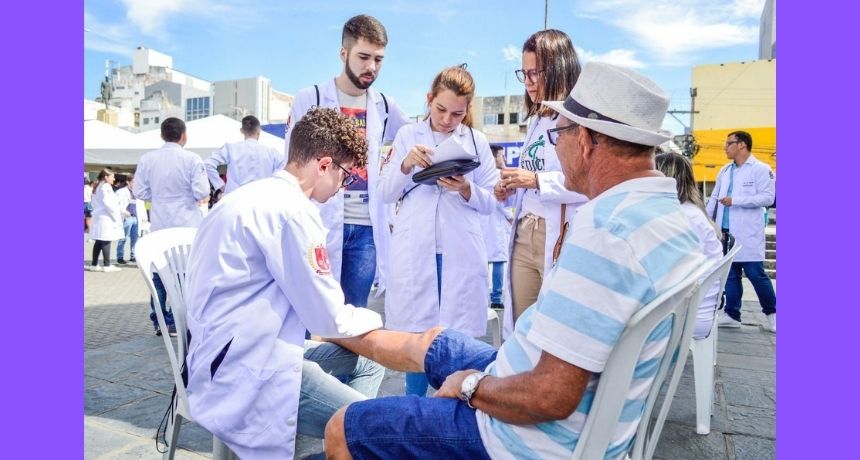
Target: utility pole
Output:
[(545, 13)]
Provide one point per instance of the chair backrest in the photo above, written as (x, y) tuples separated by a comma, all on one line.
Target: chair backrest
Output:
[(677, 303), (166, 252), (721, 272)]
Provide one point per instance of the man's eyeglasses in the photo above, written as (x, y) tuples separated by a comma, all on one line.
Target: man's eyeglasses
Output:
[(730, 143), (348, 178), (552, 134), (531, 74)]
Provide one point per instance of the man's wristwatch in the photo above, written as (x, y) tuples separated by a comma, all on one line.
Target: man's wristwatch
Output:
[(470, 386)]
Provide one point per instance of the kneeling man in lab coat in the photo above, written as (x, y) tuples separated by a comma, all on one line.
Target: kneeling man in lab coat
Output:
[(258, 277)]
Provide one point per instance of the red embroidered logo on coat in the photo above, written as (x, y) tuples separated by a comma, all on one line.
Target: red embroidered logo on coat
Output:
[(318, 258)]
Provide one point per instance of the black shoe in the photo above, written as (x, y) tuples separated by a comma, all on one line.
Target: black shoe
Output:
[(133, 260), (497, 306), (158, 331), (121, 261), (171, 330)]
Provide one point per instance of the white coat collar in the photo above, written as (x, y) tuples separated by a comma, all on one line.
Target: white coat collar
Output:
[(328, 95)]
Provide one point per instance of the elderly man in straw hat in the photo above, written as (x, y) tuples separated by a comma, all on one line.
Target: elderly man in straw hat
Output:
[(531, 399)]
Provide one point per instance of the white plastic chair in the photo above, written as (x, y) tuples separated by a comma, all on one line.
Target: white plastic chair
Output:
[(166, 252), (705, 350), (495, 326), (680, 302)]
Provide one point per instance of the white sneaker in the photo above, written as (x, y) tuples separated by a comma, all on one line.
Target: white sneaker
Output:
[(771, 323), (110, 268), (727, 321), (93, 268)]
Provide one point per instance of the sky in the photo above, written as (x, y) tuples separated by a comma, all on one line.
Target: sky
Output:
[(296, 43)]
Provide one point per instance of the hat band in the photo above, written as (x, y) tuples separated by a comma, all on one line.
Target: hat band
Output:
[(582, 111)]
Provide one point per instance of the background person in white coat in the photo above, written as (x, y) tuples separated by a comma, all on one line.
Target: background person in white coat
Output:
[(744, 188), (246, 161), (107, 221), (497, 230), (357, 221), (438, 256), (258, 276), (550, 69), (173, 180), (678, 167), (130, 227)]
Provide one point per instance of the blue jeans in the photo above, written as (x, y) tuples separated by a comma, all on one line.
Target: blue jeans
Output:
[(416, 382), (761, 283), (322, 394), (359, 263), (162, 298), (498, 278), (129, 226), (412, 427)]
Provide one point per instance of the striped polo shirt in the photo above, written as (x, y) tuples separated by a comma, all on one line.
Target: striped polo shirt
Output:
[(625, 248)]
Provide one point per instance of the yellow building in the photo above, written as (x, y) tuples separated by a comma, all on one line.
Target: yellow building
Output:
[(739, 96)]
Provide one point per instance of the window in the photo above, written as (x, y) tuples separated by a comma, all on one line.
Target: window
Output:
[(155, 120), (501, 119), (513, 118), (146, 121), (196, 107), (490, 119)]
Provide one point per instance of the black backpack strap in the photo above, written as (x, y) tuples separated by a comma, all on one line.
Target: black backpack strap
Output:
[(317, 89), (384, 123), (474, 143)]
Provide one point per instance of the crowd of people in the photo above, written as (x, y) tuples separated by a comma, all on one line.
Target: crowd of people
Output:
[(591, 224)]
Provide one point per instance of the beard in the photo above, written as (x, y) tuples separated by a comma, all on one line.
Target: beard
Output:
[(355, 79)]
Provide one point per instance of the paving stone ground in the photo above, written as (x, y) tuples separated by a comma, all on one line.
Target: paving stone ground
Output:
[(128, 384)]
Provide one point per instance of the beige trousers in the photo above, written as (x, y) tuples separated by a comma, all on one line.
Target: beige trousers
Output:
[(527, 263)]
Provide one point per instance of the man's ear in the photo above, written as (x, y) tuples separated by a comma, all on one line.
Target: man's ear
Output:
[(583, 137), (323, 164), (343, 54)]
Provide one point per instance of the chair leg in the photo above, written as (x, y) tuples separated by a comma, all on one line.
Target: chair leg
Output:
[(173, 429), (220, 451), (495, 324), (703, 376)]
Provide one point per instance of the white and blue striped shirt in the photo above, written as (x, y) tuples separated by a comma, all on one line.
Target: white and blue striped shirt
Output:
[(625, 247)]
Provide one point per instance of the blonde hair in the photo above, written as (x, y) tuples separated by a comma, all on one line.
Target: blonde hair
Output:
[(459, 81)]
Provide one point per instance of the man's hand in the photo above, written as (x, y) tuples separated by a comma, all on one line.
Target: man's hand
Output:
[(501, 192), (420, 155), (451, 387), (514, 178), (456, 184), (726, 201)]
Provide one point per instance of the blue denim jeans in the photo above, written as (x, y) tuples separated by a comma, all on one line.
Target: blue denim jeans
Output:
[(359, 263), (129, 226), (322, 394), (498, 279), (162, 298), (412, 427), (416, 382), (761, 283)]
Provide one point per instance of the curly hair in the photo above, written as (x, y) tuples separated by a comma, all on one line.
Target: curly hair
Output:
[(327, 132)]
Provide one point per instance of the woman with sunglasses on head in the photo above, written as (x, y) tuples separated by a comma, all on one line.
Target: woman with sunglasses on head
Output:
[(542, 204), (438, 271), (679, 168)]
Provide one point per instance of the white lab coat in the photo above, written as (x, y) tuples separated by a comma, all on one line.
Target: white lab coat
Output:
[(753, 190), (497, 232), (257, 278), (246, 161), (332, 210), (412, 303), (553, 195), (107, 218), (173, 180)]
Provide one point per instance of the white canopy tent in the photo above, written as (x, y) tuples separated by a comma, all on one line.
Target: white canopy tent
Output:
[(105, 145)]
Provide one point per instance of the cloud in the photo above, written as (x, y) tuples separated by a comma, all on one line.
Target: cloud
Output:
[(619, 57), (106, 38), (511, 53), (673, 31), (151, 16)]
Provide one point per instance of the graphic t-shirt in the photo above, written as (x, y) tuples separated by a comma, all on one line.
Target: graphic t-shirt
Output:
[(355, 209), (533, 158)]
